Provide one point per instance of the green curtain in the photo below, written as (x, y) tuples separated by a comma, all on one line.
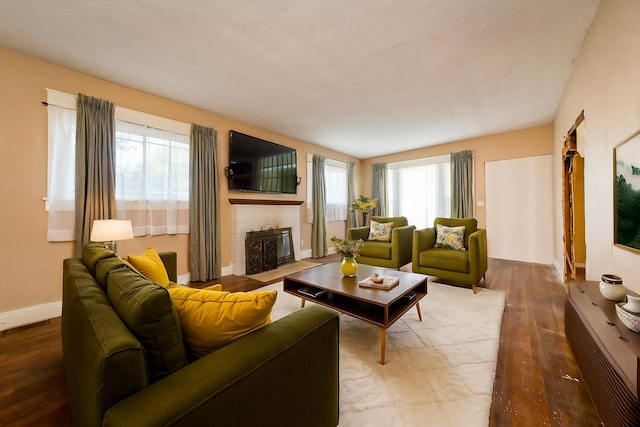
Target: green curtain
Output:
[(352, 220), (319, 202), (204, 206), (95, 165), (462, 184), (379, 188)]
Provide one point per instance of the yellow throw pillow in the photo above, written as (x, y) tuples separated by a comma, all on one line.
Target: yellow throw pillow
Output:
[(380, 231), (151, 266), (212, 319)]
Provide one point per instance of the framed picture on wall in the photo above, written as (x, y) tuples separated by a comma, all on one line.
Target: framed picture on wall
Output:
[(626, 166)]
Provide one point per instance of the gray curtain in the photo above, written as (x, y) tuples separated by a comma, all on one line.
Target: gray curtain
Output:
[(379, 188), (462, 184), (319, 198), (204, 206), (352, 220), (95, 165)]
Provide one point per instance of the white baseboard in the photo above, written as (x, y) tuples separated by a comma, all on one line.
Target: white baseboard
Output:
[(28, 315), (305, 254), (227, 271)]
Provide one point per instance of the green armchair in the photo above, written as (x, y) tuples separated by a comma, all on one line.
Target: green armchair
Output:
[(465, 267), (392, 254)]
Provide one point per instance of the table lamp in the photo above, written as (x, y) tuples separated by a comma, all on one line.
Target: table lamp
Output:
[(110, 230)]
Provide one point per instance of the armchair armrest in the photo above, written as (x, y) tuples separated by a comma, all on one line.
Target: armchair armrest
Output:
[(358, 233), (478, 253), (422, 240), (402, 243), (287, 372)]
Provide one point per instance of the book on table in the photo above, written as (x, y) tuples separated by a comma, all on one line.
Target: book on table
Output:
[(387, 282)]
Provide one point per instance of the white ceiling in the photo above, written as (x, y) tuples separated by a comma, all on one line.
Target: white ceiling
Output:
[(363, 77)]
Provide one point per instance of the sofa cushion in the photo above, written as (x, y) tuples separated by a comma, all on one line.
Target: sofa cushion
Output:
[(450, 237), (92, 252), (151, 266), (212, 319), (380, 231), (445, 259), (376, 249), (104, 267), (147, 310)]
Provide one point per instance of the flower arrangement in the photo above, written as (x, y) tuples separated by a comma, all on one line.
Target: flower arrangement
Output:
[(364, 204), (347, 248)]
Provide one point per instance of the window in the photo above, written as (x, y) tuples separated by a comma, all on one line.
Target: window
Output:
[(61, 174), (335, 182), (420, 189), (152, 171), (152, 179)]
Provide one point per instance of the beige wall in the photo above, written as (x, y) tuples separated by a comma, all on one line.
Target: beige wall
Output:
[(510, 145), (604, 83), (32, 266)]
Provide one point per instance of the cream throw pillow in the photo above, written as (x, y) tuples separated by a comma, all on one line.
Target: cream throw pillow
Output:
[(211, 319), (380, 231), (450, 237)]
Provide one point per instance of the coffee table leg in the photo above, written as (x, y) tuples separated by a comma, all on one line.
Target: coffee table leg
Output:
[(383, 344), (419, 312), (302, 304)]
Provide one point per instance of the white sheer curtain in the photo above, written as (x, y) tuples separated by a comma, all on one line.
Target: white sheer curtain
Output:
[(152, 179), (61, 174), (420, 190), (335, 179)]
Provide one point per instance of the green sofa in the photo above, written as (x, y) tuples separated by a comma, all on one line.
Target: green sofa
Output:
[(284, 374), (464, 267), (393, 254)]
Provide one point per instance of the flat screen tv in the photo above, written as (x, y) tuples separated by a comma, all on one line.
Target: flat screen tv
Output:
[(261, 166)]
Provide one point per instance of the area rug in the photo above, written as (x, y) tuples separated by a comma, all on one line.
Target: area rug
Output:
[(283, 270), (438, 372)]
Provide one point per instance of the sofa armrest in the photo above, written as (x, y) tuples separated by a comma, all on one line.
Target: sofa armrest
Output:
[(170, 261), (358, 233), (284, 374)]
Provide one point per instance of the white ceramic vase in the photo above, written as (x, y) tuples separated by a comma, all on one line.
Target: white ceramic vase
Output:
[(611, 287), (633, 304)]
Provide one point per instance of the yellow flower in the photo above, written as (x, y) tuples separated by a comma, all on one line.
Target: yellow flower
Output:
[(364, 204)]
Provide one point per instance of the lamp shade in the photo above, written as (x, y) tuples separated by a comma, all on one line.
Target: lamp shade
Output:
[(108, 230)]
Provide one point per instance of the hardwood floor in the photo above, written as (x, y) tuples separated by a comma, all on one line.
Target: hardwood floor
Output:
[(535, 381)]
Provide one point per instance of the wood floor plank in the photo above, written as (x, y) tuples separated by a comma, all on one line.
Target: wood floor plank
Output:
[(530, 387)]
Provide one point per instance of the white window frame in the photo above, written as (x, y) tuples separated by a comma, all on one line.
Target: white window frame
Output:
[(69, 101)]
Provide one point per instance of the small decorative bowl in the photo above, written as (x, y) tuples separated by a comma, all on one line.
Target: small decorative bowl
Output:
[(611, 287), (629, 319)]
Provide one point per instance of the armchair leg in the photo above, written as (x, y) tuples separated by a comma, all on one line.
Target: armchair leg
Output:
[(474, 288)]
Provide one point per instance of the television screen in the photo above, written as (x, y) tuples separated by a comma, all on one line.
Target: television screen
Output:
[(261, 166)]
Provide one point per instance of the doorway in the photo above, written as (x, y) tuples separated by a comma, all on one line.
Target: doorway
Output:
[(575, 248)]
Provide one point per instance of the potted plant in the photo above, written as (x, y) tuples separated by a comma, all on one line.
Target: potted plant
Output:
[(364, 205), (349, 249)]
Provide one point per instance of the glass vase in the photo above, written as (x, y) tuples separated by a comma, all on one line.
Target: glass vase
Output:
[(349, 266)]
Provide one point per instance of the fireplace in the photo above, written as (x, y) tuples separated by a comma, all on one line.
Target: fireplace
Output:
[(268, 249), (259, 216)]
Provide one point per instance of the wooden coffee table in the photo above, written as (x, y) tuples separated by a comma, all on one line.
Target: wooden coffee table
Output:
[(376, 306)]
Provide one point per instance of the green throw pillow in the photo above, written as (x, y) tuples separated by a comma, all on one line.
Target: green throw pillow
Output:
[(380, 231), (147, 310), (450, 237)]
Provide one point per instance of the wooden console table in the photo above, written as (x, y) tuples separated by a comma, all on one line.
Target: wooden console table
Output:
[(607, 353)]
